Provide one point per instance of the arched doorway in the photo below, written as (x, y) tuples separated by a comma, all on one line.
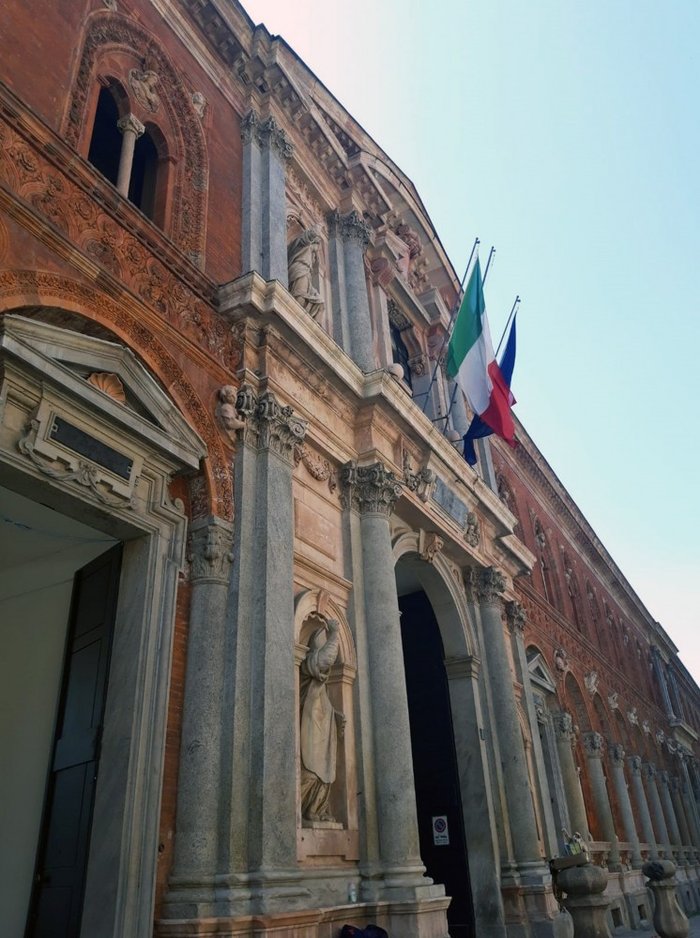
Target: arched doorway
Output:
[(434, 638)]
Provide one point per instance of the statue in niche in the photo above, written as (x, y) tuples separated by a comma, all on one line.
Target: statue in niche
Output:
[(302, 258), (320, 725)]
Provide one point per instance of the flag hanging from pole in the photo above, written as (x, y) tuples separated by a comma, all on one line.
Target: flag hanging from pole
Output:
[(477, 428), (472, 364)]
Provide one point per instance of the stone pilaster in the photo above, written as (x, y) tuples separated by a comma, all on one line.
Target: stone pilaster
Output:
[(617, 762), (199, 794), (266, 150), (371, 492), (564, 728), (486, 586), (594, 745), (657, 813), (634, 764), (349, 237)]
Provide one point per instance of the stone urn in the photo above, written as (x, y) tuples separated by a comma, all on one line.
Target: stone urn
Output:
[(584, 900), (669, 919)]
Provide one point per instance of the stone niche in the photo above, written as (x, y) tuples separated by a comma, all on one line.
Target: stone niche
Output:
[(334, 840)]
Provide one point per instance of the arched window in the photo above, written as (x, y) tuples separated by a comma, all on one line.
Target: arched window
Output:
[(144, 182), (106, 140)]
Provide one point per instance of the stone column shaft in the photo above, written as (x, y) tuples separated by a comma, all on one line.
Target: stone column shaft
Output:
[(617, 759), (593, 743), (690, 805), (679, 808), (131, 129), (635, 767), (657, 813), (349, 238), (572, 783), (669, 813)]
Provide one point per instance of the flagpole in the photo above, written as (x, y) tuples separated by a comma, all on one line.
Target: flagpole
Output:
[(446, 336), (514, 309)]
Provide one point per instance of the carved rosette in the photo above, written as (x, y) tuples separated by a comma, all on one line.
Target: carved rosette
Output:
[(370, 490), (269, 425), (209, 551), (635, 764), (564, 725), (485, 584), (266, 133), (617, 754), (516, 616), (594, 744)]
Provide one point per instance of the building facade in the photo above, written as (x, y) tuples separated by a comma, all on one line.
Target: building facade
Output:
[(275, 658)]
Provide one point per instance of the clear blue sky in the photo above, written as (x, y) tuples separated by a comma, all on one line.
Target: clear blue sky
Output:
[(566, 134)]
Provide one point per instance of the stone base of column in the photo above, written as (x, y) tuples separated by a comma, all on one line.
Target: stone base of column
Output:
[(236, 895), (420, 919), (530, 908), (629, 899)]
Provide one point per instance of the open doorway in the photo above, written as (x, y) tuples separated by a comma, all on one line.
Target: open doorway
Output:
[(438, 796)]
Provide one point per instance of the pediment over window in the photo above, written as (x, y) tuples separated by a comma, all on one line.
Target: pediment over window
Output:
[(539, 672)]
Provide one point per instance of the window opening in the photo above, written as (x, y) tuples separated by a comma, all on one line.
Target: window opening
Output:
[(399, 353), (144, 170), (106, 142)]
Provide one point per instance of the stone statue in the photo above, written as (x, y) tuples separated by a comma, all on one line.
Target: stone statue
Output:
[(226, 413), (302, 258), (319, 732)]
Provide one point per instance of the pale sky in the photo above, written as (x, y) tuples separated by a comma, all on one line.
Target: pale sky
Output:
[(566, 134)]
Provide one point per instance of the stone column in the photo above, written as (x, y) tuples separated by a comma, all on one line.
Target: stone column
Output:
[(199, 793), (372, 491), (689, 803), (593, 743), (667, 805), (266, 150), (131, 129), (657, 814), (487, 585), (617, 761), (635, 768), (677, 800), (349, 237), (564, 727)]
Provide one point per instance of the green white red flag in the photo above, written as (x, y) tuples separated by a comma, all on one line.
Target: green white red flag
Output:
[(472, 364)]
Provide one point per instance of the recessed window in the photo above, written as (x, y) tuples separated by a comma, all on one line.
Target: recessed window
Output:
[(106, 142), (144, 172)]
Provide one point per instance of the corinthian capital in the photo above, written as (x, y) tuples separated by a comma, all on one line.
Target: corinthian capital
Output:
[(617, 754), (635, 764), (485, 584), (266, 133), (564, 725), (131, 124), (209, 551), (516, 615), (594, 744), (269, 425), (350, 227), (369, 489)]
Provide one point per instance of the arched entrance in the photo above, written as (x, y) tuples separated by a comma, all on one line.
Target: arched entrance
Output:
[(445, 722)]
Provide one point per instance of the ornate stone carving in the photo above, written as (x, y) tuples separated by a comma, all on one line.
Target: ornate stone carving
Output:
[(199, 103), (143, 84), (646, 727), (617, 754), (209, 551), (369, 489), (613, 701), (561, 661), (486, 584), (564, 724), (649, 771), (594, 744), (302, 258), (516, 615), (266, 133), (226, 412), (430, 544), (660, 737), (269, 425), (130, 123), (351, 227), (108, 383), (635, 764), (591, 682), (420, 482), (317, 467), (472, 531), (632, 716)]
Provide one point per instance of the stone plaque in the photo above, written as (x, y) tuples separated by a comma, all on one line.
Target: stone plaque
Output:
[(89, 446)]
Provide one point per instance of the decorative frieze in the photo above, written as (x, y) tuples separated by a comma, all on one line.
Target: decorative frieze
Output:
[(210, 550), (369, 489)]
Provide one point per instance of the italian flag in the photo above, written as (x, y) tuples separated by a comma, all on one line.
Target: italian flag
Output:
[(472, 364)]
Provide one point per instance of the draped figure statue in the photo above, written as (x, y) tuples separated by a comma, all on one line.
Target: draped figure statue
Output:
[(302, 259), (320, 723)]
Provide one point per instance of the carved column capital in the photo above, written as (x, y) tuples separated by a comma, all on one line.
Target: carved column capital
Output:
[(649, 770), (635, 764), (594, 744), (485, 584), (663, 777), (516, 615), (266, 132), (617, 754), (269, 425), (209, 550), (350, 227), (371, 490), (564, 725), (675, 784), (131, 124)]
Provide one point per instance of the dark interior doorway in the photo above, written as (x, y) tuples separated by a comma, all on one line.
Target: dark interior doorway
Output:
[(438, 799), (57, 899)]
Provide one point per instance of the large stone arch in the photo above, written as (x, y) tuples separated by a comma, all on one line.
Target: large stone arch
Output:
[(20, 289)]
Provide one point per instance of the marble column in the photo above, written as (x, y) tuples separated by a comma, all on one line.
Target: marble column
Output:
[(131, 129), (564, 726), (372, 491), (266, 150), (635, 769), (689, 802), (657, 814), (199, 793), (676, 798), (617, 763), (671, 821), (487, 585), (594, 745), (349, 237)]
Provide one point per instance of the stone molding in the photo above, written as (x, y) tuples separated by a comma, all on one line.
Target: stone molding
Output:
[(617, 754), (370, 490), (132, 123), (350, 227), (594, 744), (564, 725), (466, 666), (266, 133), (209, 550), (268, 424), (635, 764), (430, 544), (516, 615), (486, 584)]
